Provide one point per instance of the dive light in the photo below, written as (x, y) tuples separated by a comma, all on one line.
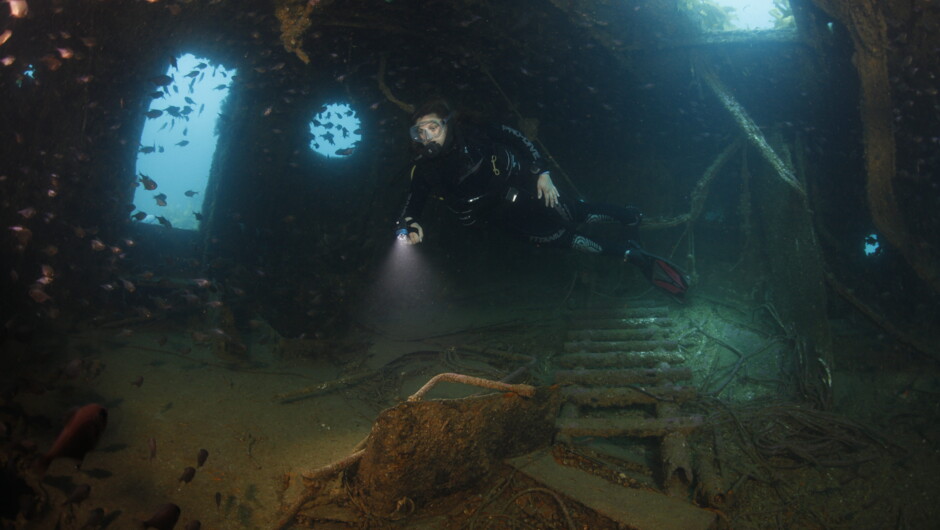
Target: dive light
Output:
[(402, 232)]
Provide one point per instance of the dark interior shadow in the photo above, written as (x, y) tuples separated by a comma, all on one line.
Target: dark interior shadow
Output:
[(110, 518), (98, 473), (114, 448)]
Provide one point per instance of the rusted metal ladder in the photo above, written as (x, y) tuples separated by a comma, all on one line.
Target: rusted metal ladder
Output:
[(622, 373)]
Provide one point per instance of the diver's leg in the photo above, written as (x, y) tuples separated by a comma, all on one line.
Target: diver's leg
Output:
[(608, 213), (593, 213), (573, 213), (587, 244), (659, 271), (554, 227), (547, 231)]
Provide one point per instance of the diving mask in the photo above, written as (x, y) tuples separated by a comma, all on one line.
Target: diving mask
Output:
[(427, 130)]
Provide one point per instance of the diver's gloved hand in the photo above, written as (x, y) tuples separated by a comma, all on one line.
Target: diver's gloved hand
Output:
[(547, 190), (416, 234), (415, 237)]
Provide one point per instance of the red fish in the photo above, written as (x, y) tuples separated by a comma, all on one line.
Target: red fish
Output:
[(149, 183), (79, 436)]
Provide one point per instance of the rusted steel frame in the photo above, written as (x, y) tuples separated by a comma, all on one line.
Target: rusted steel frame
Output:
[(636, 427), (631, 395), (625, 312), (614, 334), (618, 359), (627, 345), (676, 456), (651, 322), (641, 376)]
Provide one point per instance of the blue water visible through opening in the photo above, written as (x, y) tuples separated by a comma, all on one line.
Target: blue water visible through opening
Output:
[(178, 142), (872, 246), (753, 14), (335, 131)]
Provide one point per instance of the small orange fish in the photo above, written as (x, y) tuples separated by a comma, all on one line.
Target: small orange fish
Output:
[(149, 183)]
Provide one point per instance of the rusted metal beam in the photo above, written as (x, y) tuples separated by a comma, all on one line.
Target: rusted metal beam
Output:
[(638, 427), (631, 395), (676, 456), (614, 334), (624, 312), (622, 323), (618, 359), (866, 23), (607, 377), (626, 345)]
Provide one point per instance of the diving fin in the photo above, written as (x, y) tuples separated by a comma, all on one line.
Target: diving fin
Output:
[(659, 271)]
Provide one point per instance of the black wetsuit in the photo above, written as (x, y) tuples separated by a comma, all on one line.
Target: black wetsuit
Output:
[(488, 174)]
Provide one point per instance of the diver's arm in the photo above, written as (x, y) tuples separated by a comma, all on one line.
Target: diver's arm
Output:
[(414, 205), (414, 233)]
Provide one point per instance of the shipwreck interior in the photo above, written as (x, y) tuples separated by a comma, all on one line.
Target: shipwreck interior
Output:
[(199, 201)]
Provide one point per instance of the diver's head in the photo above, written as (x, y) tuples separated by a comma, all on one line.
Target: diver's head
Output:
[(431, 127)]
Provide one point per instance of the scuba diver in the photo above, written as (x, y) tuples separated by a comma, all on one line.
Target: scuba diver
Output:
[(496, 174)]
